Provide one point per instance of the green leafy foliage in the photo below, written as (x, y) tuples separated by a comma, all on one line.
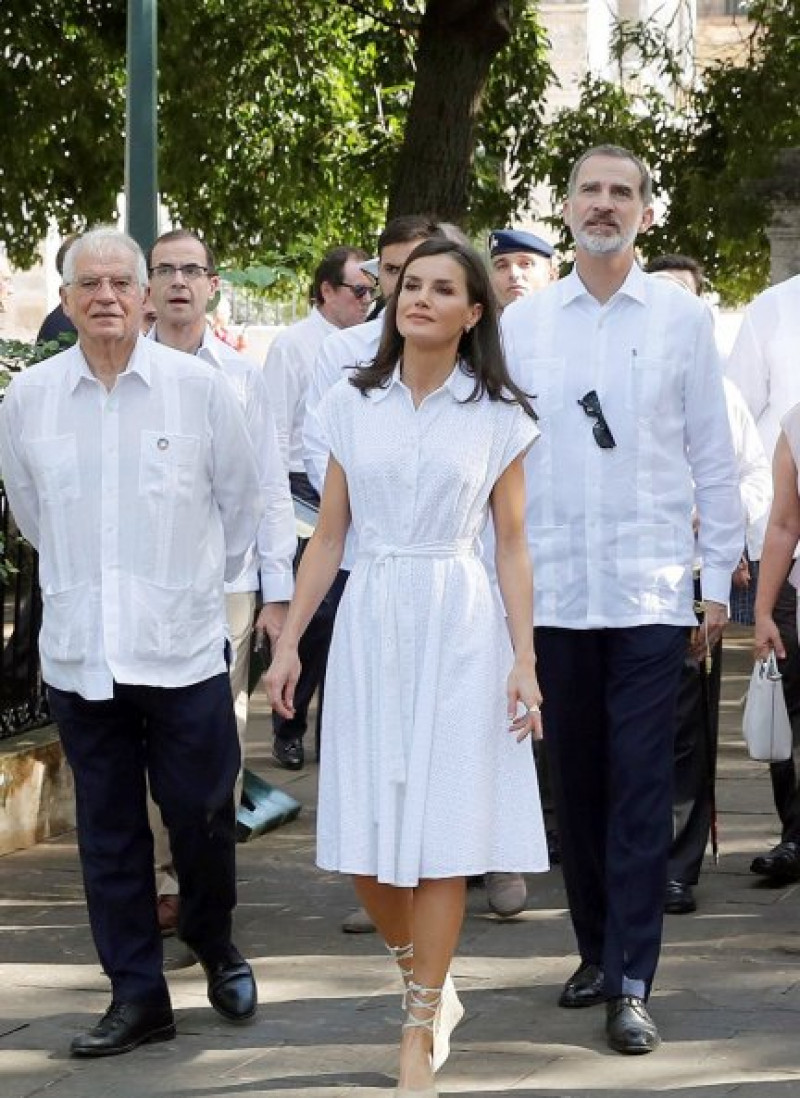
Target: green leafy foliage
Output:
[(280, 120), (16, 354), (710, 146)]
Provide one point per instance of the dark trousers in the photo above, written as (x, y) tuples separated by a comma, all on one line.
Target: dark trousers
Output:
[(315, 641), (184, 741), (785, 788), (696, 737), (609, 719)]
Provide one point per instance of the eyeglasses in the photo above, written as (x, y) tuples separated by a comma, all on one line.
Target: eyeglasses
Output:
[(120, 287), (359, 292), (190, 271), (602, 434)]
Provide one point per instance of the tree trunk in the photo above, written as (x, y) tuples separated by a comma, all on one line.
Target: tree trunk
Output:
[(458, 40)]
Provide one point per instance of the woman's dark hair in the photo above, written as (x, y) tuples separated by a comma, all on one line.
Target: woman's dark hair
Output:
[(480, 351)]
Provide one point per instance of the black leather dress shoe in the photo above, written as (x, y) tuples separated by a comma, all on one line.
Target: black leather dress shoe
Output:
[(288, 753), (231, 986), (123, 1027), (584, 988), (679, 898), (629, 1027), (781, 864)]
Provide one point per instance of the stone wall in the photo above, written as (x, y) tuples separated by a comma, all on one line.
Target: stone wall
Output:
[(36, 790)]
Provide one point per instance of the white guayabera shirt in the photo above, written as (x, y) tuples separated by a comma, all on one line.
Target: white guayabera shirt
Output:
[(765, 360), (287, 370), (338, 356), (341, 352), (140, 501), (610, 530), (272, 556)]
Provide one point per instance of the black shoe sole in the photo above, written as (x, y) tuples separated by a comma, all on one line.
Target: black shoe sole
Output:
[(165, 1033), (571, 1004), (632, 1050), (234, 1017)]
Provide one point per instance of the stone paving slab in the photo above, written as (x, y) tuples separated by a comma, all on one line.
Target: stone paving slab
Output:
[(727, 997)]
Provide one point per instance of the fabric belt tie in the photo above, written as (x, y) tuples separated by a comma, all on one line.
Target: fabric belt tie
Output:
[(396, 648)]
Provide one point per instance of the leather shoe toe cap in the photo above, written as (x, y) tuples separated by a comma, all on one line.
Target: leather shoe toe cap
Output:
[(782, 863), (629, 1027), (123, 1027), (232, 989), (584, 988), (679, 898)]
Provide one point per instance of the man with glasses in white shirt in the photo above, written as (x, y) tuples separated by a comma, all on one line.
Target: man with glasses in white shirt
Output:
[(129, 468), (623, 372), (183, 282), (342, 295)]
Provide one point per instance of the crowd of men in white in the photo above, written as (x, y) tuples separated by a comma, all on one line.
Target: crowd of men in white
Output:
[(151, 459)]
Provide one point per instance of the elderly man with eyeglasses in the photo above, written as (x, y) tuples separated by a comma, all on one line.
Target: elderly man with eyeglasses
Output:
[(128, 466), (183, 283), (625, 376)]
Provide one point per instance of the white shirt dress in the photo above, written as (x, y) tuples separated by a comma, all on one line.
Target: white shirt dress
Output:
[(420, 777)]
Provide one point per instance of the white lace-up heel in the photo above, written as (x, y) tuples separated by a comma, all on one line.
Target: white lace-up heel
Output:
[(439, 1010), (422, 1010)]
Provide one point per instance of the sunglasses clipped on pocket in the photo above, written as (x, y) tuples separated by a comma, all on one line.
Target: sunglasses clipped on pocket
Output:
[(590, 402)]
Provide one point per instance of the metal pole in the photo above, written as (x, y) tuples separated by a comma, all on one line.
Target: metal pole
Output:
[(141, 142)]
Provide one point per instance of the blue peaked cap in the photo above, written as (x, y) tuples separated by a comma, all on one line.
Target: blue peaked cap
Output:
[(502, 241)]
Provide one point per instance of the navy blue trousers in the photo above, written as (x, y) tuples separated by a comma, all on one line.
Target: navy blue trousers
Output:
[(609, 721), (315, 641), (184, 741)]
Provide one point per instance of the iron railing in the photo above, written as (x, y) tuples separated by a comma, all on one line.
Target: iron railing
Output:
[(23, 702)]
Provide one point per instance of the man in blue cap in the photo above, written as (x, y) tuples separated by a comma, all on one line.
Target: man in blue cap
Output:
[(520, 263)]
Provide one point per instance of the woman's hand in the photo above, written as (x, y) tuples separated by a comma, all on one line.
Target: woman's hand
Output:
[(766, 638), (522, 689), (281, 679)]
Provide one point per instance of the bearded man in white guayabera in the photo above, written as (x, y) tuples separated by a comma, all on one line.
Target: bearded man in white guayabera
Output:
[(623, 371)]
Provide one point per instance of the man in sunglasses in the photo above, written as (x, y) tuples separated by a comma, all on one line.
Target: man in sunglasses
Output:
[(625, 377), (183, 282), (342, 295)]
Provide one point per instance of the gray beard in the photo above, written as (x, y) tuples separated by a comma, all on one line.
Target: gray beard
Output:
[(604, 245)]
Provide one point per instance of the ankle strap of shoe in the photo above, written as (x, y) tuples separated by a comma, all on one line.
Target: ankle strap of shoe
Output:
[(422, 1005)]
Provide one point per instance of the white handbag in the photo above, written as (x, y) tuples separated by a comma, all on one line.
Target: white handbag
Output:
[(766, 727)]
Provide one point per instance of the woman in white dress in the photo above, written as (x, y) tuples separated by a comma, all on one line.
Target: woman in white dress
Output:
[(430, 688)]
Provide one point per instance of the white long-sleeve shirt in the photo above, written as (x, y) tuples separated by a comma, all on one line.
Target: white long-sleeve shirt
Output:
[(754, 473), (287, 370), (611, 529), (339, 353), (269, 564), (765, 362), (140, 501)]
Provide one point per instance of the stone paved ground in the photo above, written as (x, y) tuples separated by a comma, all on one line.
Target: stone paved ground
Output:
[(727, 998)]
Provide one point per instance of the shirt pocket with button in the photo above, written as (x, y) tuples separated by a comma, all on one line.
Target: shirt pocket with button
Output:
[(65, 624), (54, 462), (167, 463), (164, 623), (543, 380), (167, 485), (650, 384), (654, 565)]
